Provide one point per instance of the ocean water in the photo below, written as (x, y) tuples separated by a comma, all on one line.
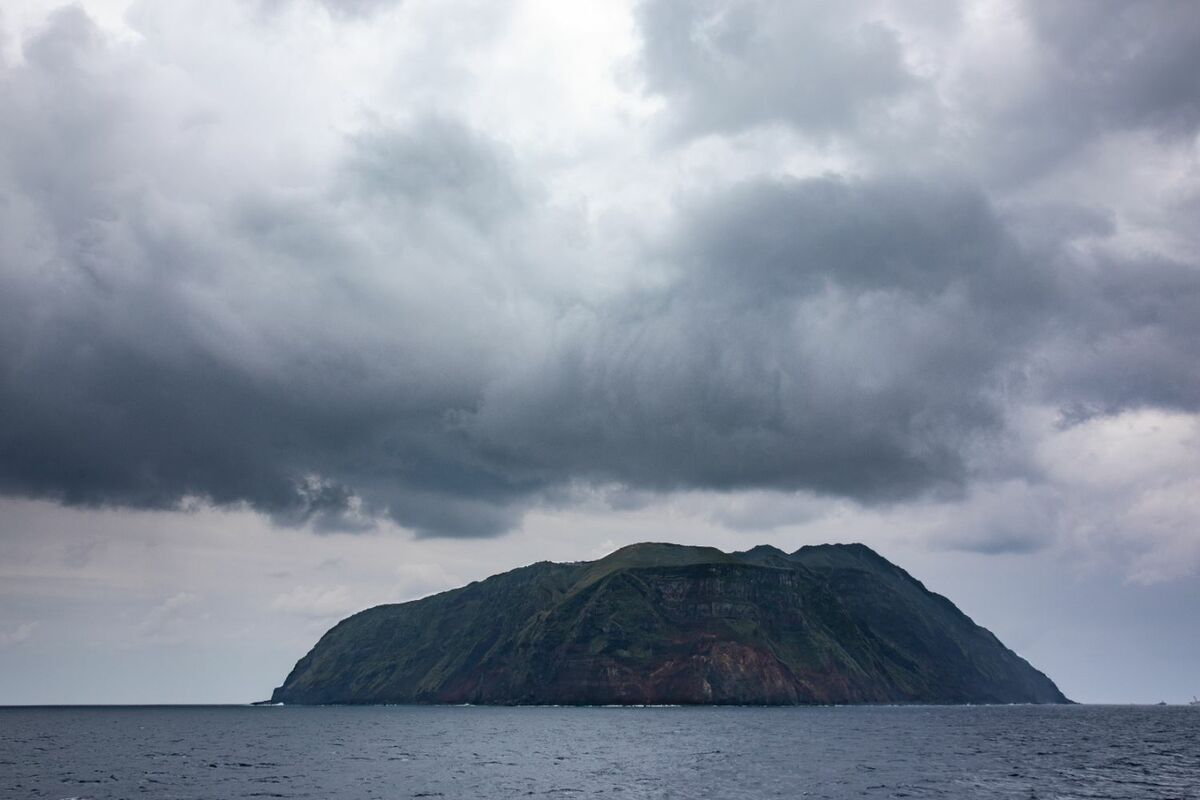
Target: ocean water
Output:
[(403, 751)]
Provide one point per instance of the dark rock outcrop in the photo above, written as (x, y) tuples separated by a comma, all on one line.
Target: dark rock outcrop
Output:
[(659, 623)]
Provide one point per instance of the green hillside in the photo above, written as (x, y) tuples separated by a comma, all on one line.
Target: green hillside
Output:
[(663, 623)]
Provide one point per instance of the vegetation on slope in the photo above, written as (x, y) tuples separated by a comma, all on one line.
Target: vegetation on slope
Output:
[(661, 623)]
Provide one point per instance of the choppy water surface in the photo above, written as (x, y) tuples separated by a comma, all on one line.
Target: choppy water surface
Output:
[(396, 752)]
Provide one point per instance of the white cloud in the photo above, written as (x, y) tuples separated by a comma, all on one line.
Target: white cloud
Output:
[(18, 634)]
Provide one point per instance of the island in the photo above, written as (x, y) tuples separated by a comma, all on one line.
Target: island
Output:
[(671, 624)]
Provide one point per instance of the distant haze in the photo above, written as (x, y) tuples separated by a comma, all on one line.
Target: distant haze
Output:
[(308, 305)]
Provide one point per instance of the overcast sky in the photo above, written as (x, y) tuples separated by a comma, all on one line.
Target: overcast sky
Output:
[(308, 305)]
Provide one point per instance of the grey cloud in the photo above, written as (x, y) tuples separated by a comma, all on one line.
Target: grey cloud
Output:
[(791, 237), (383, 340), (1123, 64), (1011, 517), (730, 65), (436, 163), (1125, 321), (1131, 340), (1001, 541), (1044, 226), (842, 337), (150, 358), (1098, 68), (331, 356), (340, 9), (357, 8), (845, 73)]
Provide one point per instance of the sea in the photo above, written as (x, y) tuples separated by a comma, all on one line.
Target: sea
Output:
[(216, 752)]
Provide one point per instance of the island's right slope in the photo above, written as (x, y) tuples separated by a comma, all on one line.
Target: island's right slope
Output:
[(660, 623)]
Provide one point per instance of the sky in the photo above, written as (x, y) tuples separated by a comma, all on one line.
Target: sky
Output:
[(310, 305)]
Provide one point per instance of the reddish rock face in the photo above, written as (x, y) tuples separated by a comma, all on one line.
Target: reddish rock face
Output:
[(707, 671), (726, 672), (661, 624)]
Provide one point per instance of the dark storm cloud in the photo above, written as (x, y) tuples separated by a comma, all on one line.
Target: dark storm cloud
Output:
[(153, 354), (846, 337), (393, 337), (730, 65), (1133, 338), (821, 334)]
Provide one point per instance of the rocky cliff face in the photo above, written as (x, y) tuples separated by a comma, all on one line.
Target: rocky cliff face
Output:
[(657, 623)]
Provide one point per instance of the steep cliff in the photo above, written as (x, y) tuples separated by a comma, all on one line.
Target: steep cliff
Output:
[(659, 623)]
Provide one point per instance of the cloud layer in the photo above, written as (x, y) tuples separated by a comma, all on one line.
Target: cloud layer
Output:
[(847, 254)]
